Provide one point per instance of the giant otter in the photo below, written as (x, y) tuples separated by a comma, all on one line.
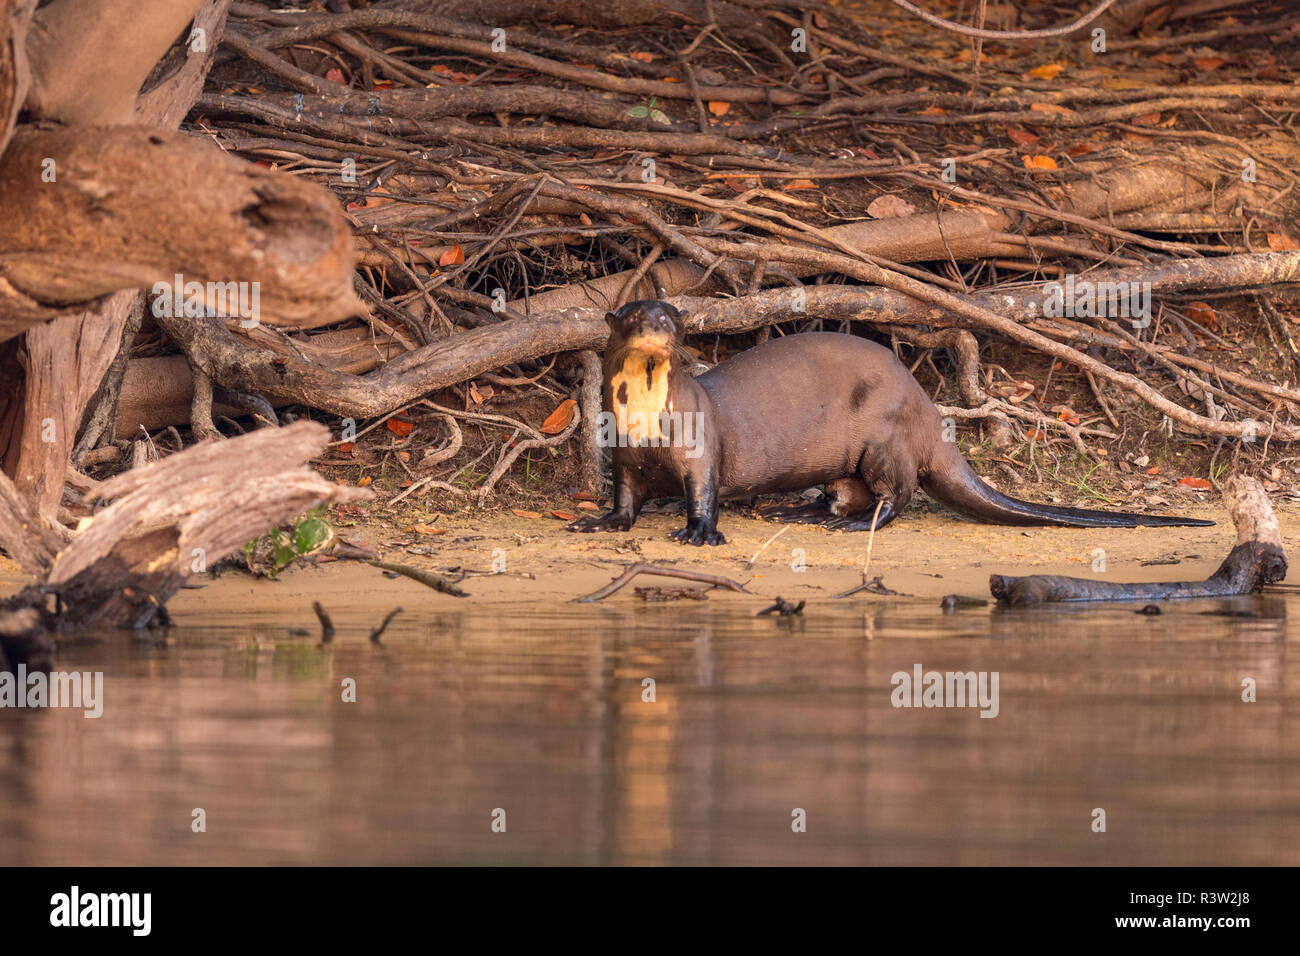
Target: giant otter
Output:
[(816, 408)]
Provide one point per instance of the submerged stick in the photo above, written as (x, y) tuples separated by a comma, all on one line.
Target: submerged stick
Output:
[(1257, 559), (378, 632), (716, 580), (326, 625)]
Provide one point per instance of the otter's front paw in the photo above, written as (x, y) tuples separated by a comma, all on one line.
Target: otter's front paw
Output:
[(610, 522), (698, 534)]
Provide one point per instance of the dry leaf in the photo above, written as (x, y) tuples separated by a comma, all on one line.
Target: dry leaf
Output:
[(588, 506), (400, 428), (1203, 314), (452, 257), (643, 57), (889, 206), (428, 529), (1281, 242), (564, 516), (1209, 62), (335, 75), (1021, 137), (1039, 162), (1200, 484), (364, 481), (559, 419), (799, 184), (719, 107), (1048, 71)]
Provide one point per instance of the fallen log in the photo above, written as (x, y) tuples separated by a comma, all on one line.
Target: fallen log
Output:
[(446, 362), (1257, 559), (172, 519)]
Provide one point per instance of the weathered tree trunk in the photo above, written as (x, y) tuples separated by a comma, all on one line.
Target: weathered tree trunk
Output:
[(1257, 559), (168, 520)]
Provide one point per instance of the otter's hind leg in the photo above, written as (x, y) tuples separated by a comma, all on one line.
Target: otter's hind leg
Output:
[(855, 507), (885, 483)]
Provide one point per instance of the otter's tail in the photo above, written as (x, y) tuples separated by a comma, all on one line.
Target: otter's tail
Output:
[(957, 486)]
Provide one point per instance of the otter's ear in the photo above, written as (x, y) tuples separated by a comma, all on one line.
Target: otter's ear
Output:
[(681, 318), (610, 319)]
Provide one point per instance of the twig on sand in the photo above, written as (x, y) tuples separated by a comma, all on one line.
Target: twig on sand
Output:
[(714, 580), (427, 578), (867, 584)]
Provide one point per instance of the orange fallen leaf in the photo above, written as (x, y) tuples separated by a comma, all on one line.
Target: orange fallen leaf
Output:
[(799, 184), (1200, 484), (1021, 137), (1146, 119), (583, 496), (346, 448), (933, 111), (452, 257), (719, 107), (564, 516), (400, 428), (1035, 435), (1082, 149), (559, 419), (335, 75), (519, 513), (1203, 314), (1048, 71), (1039, 162), (428, 529), (588, 506), (1281, 242), (364, 481), (1209, 62), (1153, 470), (643, 57)]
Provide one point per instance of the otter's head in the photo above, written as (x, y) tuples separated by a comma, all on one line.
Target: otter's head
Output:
[(653, 327)]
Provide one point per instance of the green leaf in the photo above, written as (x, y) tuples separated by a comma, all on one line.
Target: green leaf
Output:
[(310, 535), (659, 117), (639, 111), (282, 551)]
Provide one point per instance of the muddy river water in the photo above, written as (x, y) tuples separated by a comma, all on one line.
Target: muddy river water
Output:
[(527, 733)]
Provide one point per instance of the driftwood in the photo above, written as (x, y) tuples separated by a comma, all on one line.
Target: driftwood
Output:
[(1257, 559), (713, 580), (169, 520)]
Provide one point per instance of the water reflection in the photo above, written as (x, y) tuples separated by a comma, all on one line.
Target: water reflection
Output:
[(541, 713)]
